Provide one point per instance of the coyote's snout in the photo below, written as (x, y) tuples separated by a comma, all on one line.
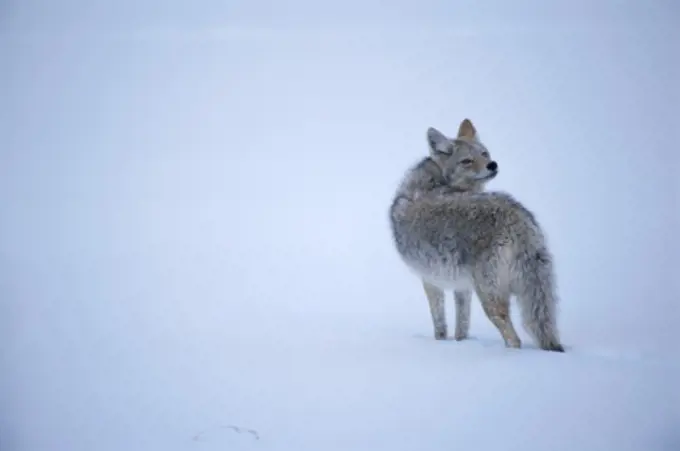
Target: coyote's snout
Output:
[(456, 236)]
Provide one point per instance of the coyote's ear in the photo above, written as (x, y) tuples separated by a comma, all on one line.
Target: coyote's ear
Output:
[(438, 142), (467, 130)]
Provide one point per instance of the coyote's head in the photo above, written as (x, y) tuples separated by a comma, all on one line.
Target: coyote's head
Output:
[(464, 161)]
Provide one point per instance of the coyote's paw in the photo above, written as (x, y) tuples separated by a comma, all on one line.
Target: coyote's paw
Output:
[(513, 343), (553, 347), (440, 334), (460, 336)]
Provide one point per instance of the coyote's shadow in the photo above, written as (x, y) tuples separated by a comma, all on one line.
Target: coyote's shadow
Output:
[(484, 342), (621, 356)]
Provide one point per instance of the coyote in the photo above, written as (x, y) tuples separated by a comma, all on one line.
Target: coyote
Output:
[(454, 235)]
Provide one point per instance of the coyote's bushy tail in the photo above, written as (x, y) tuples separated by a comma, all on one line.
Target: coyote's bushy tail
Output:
[(538, 298)]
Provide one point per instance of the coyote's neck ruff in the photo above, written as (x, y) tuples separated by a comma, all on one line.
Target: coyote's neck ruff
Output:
[(425, 179), (454, 235)]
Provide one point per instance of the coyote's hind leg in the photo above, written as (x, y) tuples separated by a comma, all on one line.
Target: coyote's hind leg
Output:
[(497, 309)]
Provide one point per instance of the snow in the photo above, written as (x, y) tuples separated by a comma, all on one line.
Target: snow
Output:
[(177, 356), (194, 247)]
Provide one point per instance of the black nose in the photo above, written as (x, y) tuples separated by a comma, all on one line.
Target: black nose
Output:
[(492, 166)]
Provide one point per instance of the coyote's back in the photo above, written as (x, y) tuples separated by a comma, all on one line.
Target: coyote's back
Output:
[(454, 235)]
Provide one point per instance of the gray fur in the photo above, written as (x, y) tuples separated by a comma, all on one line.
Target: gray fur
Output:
[(454, 235)]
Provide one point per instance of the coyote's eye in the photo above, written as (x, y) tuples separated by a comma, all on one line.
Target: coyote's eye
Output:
[(485, 154), (466, 161)]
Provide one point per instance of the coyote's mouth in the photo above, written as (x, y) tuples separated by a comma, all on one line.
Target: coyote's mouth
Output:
[(489, 176)]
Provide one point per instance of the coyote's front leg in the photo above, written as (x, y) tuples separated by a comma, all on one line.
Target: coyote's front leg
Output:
[(436, 299), (463, 300)]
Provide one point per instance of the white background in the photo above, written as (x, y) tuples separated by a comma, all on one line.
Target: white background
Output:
[(193, 223)]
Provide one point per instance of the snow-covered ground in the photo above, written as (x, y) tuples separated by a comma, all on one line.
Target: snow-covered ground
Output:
[(194, 247)]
